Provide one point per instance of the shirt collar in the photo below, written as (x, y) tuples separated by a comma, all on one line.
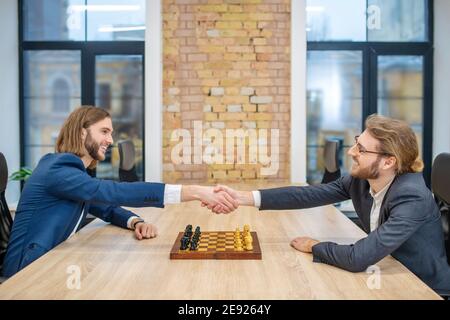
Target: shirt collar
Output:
[(380, 194)]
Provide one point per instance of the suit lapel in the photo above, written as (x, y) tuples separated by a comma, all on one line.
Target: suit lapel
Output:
[(366, 208)]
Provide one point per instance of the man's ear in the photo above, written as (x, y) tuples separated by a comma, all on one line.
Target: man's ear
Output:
[(83, 134), (390, 162)]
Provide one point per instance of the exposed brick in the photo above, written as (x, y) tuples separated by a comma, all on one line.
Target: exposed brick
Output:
[(247, 91), (217, 91), (242, 47), (213, 33), (173, 108), (234, 108), (260, 99)]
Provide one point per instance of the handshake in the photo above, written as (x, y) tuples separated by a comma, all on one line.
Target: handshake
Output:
[(218, 199)]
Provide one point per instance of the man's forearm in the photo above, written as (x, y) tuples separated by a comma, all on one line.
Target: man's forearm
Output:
[(245, 198), (190, 193)]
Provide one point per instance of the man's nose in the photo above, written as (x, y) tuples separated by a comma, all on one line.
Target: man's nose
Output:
[(351, 152)]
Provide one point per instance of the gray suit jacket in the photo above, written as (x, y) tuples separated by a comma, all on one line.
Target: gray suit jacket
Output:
[(409, 225)]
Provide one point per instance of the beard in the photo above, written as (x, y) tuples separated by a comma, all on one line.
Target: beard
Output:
[(372, 172), (92, 148)]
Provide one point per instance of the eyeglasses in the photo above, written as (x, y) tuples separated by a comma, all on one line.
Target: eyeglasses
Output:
[(362, 150)]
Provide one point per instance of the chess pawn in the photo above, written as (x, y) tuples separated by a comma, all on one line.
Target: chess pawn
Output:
[(238, 244), (248, 243)]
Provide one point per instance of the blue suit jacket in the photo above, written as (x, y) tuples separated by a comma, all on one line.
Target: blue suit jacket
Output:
[(409, 225), (53, 199)]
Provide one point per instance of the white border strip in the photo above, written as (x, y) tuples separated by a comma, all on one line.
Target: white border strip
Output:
[(298, 91), (153, 92)]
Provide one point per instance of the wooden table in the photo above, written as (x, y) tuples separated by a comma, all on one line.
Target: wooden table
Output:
[(114, 265)]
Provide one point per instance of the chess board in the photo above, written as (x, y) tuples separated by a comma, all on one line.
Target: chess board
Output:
[(216, 245)]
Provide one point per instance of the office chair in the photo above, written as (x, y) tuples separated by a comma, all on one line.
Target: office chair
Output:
[(440, 185), (5, 216), (331, 158), (127, 167)]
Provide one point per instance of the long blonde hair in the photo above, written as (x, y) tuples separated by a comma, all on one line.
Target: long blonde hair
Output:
[(70, 137), (397, 139)]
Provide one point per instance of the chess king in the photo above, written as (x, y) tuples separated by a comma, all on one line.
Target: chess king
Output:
[(60, 193), (389, 194)]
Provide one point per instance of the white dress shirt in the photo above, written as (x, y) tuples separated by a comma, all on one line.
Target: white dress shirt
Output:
[(376, 206), (256, 198)]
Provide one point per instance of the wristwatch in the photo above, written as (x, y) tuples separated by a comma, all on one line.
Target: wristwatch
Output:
[(136, 222)]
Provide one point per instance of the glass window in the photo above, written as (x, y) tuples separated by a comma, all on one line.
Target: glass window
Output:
[(56, 20), (53, 20), (399, 20), (46, 107), (400, 90), (61, 97), (334, 105), (116, 20), (332, 20), (371, 20), (119, 90)]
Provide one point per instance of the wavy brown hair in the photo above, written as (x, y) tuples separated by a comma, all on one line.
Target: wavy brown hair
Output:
[(397, 139), (70, 137)]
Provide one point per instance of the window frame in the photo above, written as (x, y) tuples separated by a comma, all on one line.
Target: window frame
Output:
[(88, 50), (370, 52)]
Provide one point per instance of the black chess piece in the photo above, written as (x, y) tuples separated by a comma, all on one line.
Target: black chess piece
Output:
[(184, 243), (188, 231), (194, 245)]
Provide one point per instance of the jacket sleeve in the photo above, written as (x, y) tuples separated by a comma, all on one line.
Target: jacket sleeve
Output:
[(407, 214), (306, 197), (115, 215), (67, 179)]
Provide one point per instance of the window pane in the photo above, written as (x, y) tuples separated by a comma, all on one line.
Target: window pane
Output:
[(336, 20), (119, 90), (53, 20), (334, 105), (400, 20), (116, 20), (52, 89), (400, 90)]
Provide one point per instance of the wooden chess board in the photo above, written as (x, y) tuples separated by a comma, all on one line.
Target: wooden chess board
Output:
[(216, 245)]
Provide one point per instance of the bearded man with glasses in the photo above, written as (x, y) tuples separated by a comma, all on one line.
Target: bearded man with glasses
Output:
[(389, 194)]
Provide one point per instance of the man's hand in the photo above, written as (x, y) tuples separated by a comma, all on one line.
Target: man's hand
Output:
[(145, 230), (304, 244), (243, 198), (209, 197)]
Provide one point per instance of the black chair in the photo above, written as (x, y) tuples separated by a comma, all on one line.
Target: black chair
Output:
[(127, 167), (331, 158), (440, 184), (5, 216)]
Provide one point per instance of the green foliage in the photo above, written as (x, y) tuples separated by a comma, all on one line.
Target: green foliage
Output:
[(22, 174)]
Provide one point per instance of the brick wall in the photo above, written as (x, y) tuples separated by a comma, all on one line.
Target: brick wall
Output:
[(226, 66)]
